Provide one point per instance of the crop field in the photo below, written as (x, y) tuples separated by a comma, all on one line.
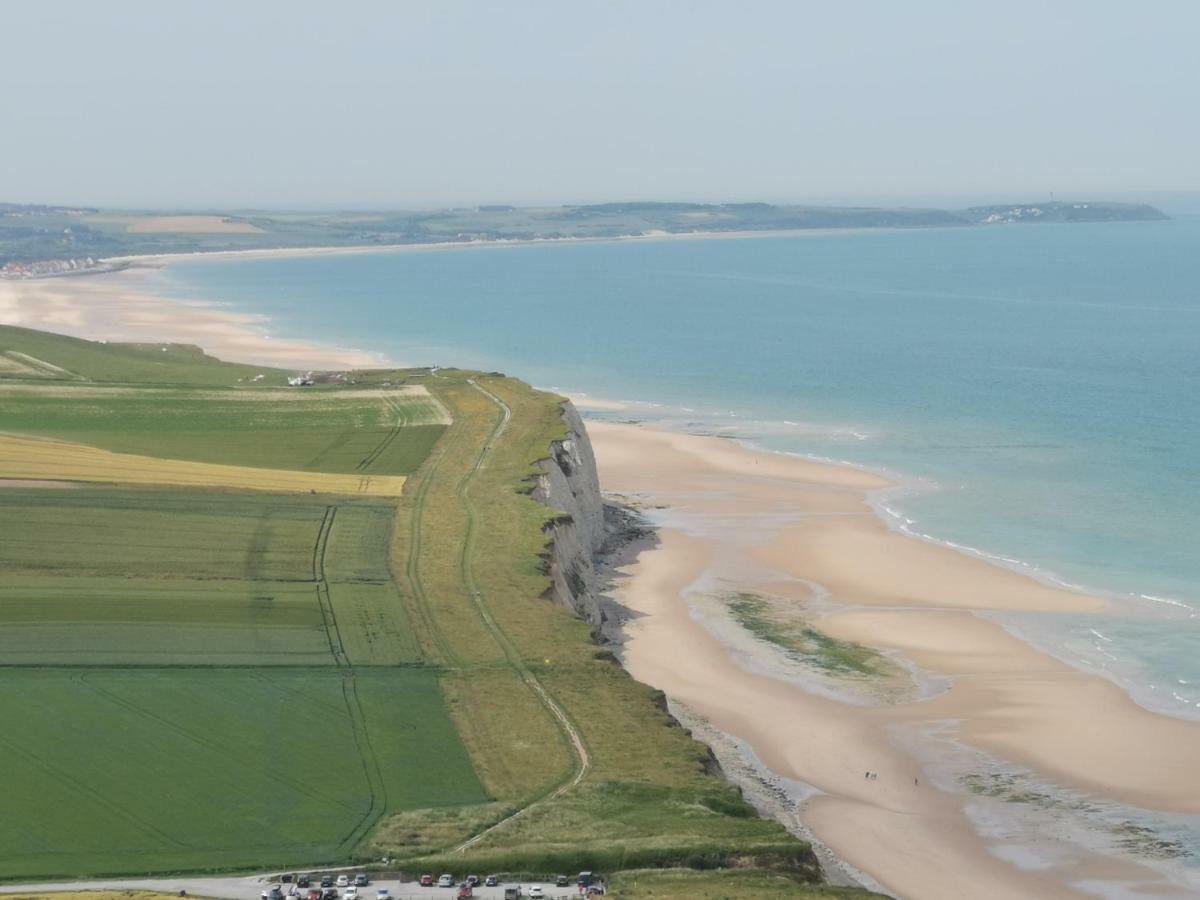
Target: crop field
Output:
[(42, 459), (124, 771), (203, 650), (381, 432)]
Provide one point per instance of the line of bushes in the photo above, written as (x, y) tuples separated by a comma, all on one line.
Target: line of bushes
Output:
[(794, 858)]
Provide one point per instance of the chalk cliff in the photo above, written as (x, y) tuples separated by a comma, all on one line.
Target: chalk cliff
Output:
[(570, 485)]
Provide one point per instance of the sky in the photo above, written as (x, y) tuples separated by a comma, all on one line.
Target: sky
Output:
[(415, 104)]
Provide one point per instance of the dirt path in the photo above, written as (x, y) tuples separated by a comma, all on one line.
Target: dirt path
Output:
[(583, 760)]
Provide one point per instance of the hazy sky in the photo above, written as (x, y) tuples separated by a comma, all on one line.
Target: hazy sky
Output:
[(409, 104)]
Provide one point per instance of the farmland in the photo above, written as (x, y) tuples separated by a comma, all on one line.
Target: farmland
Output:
[(199, 632), (288, 668)]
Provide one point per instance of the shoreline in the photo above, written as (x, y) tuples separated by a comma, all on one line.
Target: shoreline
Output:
[(163, 259), (741, 519)]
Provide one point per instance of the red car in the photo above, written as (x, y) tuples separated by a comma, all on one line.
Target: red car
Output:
[(314, 894), (426, 881)]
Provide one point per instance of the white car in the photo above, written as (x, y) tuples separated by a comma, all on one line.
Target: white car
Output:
[(536, 892), (446, 881), (350, 893), (382, 894), (343, 880)]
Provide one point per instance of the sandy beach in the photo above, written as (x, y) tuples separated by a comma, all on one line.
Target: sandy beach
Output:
[(731, 518), (121, 306)]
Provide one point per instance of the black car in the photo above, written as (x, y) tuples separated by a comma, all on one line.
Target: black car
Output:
[(330, 893), (302, 880), (473, 880), (326, 881)]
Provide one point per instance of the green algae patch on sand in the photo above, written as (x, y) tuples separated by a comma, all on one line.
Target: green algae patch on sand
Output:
[(772, 623)]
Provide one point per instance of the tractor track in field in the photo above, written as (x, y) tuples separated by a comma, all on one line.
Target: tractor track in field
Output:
[(369, 460), (412, 564), (372, 772)]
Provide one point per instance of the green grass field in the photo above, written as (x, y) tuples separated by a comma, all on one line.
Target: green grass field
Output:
[(383, 431), (217, 675), (124, 771)]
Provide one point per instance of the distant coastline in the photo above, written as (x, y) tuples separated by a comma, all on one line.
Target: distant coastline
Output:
[(39, 241)]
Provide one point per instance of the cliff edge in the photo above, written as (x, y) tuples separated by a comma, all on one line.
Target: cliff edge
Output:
[(570, 484)]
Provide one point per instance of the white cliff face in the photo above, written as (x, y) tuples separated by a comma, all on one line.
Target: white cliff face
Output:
[(570, 485)]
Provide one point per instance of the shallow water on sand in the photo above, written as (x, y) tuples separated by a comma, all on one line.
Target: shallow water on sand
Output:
[(1036, 389)]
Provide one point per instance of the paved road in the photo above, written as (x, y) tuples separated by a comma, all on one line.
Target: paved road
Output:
[(251, 888)]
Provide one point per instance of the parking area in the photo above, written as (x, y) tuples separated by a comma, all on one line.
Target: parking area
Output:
[(411, 890), (254, 887)]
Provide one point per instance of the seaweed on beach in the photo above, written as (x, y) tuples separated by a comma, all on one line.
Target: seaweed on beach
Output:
[(1132, 837), (800, 641), (1146, 841), (1012, 789)]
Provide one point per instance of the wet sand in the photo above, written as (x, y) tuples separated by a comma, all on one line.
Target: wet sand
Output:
[(748, 520)]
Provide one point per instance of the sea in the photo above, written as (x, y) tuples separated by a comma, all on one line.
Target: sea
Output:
[(1033, 389)]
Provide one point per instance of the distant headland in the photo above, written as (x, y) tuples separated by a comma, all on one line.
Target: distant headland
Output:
[(38, 240)]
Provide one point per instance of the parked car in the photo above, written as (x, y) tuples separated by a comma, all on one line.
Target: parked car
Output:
[(382, 894), (350, 893), (426, 881), (446, 881), (303, 880), (512, 893), (473, 880), (343, 881), (286, 879), (561, 881), (585, 879), (329, 894), (361, 880), (465, 892), (326, 881), (314, 894), (492, 880), (536, 892), (275, 893)]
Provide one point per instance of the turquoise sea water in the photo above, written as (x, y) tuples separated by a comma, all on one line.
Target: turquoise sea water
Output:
[(1036, 388)]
